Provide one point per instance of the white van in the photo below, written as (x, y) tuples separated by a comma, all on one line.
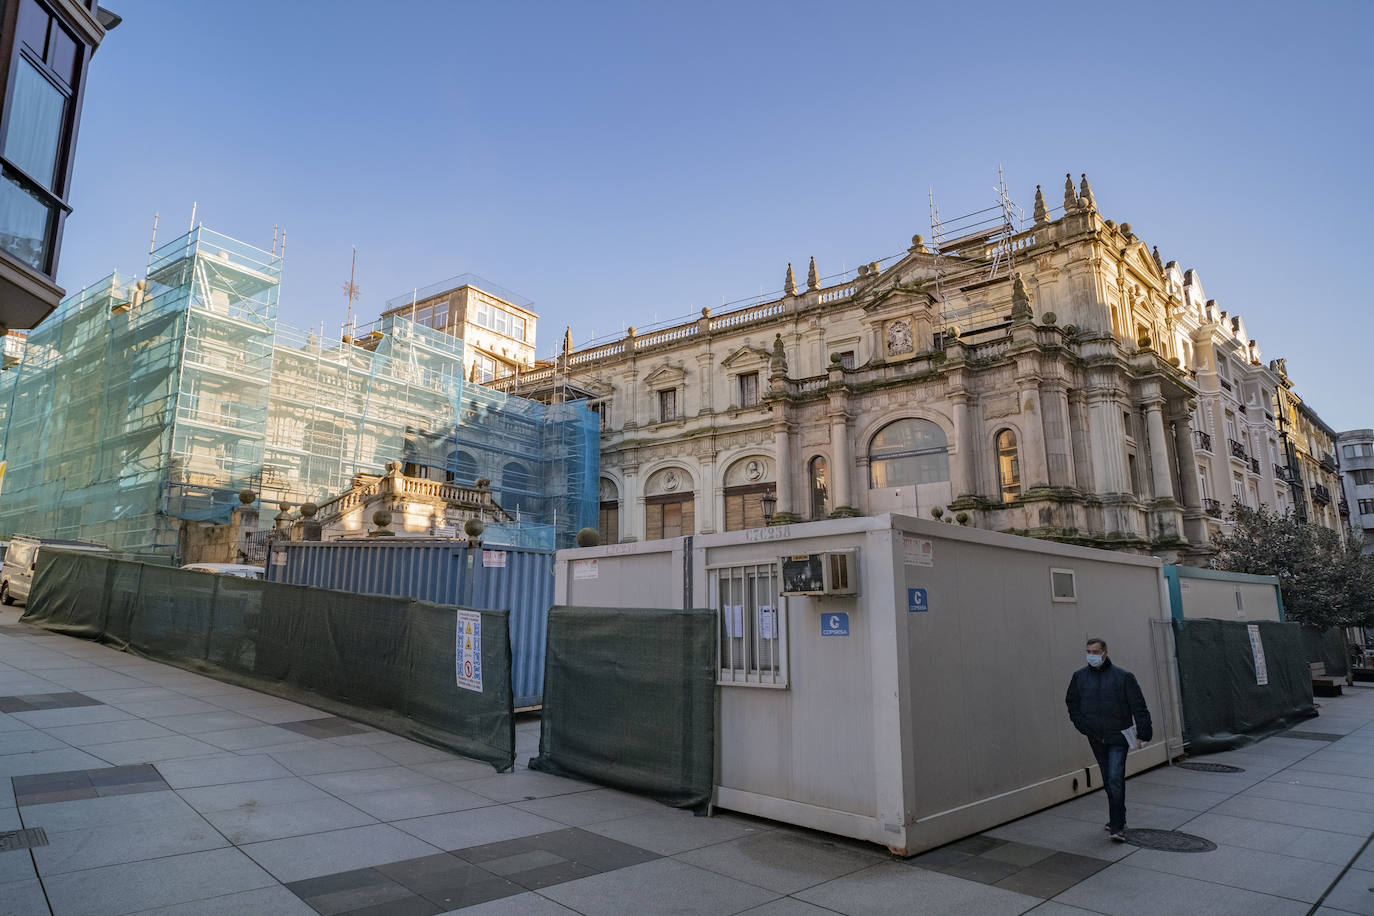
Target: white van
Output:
[(21, 558), (243, 571)]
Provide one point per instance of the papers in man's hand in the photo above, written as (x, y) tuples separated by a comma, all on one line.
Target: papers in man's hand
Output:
[(1132, 742)]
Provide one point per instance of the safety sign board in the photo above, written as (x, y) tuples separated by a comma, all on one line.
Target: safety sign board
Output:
[(834, 624), (494, 558), (916, 600), (918, 552), (585, 569), (469, 654), (1257, 649)]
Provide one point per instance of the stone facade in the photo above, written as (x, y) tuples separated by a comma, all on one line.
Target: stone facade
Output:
[(1060, 382), (1357, 478)]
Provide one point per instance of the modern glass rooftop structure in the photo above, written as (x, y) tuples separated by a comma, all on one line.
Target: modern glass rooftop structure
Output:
[(139, 407)]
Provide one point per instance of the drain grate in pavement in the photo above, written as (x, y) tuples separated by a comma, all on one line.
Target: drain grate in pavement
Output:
[(1168, 840), (1312, 736), (1209, 767), (11, 840)]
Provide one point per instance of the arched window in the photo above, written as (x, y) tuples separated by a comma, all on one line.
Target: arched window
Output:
[(517, 488), (609, 518), (1008, 466), (463, 469), (820, 488), (908, 452)]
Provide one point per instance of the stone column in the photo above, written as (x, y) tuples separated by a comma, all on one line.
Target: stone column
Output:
[(1061, 473), (1034, 464), (1159, 449), (782, 454), (633, 523), (1104, 443), (1187, 461), (965, 475), (842, 462)]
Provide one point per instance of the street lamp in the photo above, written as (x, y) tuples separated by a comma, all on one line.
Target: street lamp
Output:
[(770, 505)]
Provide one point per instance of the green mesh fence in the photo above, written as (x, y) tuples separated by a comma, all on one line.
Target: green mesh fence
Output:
[(1327, 647), (386, 661), (629, 701), (1223, 705)]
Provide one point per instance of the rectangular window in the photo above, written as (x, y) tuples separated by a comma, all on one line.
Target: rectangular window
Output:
[(669, 517), (847, 359), (667, 404), (25, 223), (752, 625), (744, 507), (609, 522), (749, 389), (1348, 451), (34, 136), (1367, 507), (1063, 586), (486, 367), (1362, 478)]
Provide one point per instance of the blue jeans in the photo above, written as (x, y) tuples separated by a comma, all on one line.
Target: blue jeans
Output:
[(1111, 760)]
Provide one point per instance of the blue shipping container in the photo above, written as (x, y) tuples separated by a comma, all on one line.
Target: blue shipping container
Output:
[(444, 571)]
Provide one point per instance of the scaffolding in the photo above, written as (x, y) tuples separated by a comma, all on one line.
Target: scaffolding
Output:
[(979, 247), (139, 407)]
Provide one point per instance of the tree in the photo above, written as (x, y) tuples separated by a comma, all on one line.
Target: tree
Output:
[(1325, 583)]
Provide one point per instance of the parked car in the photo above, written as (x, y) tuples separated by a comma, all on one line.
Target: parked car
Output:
[(22, 557), (241, 570)]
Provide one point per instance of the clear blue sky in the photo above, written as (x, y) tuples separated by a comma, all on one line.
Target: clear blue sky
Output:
[(621, 163)]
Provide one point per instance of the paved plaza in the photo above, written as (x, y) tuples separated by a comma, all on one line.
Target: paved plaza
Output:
[(129, 786)]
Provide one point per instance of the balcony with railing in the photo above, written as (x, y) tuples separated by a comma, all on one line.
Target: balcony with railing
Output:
[(1212, 507), (1254, 465), (1238, 450), (1280, 472), (1328, 463), (1204, 440), (1321, 494)]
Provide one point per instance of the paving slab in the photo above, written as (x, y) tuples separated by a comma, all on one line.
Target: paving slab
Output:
[(890, 889), (256, 823), (417, 801), (663, 885), (784, 862), (1283, 839), (459, 830), (298, 858), (381, 779), (116, 843), (1266, 872), (137, 886), (1123, 890), (220, 769), (1354, 893), (670, 830), (22, 898)]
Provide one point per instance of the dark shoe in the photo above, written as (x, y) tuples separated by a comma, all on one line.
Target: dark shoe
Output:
[(1119, 836)]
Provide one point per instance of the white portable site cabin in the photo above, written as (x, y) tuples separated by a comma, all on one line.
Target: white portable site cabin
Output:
[(894, 679)]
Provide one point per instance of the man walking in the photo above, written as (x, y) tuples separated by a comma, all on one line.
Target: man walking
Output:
[(1105, 703)]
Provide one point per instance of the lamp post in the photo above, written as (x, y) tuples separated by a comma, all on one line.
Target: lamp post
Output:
[(770, 505)]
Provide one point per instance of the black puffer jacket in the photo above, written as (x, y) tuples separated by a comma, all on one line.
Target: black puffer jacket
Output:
[(1104, 701)]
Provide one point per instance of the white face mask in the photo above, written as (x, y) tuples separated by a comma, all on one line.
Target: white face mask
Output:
[(1095, 660)]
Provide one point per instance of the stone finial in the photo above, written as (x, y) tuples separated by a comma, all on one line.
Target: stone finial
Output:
[(1042, 214), (1159, 262), (567, 340), (918, 245), (1085, 193), (777, 363), (789, 284), (247, 497), (472, 373), (1020, 300), (813, 279), (1070, 195), (309, 510)]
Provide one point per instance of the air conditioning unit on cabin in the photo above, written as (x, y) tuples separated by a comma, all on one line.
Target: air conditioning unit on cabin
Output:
[(833, 572)]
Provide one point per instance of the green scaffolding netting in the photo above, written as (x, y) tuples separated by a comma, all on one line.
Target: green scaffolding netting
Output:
[(1224, 706), (629, 701), (386, 661), (140, 407)]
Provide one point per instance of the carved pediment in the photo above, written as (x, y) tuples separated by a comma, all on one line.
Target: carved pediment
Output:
[(746, 357), (665, 376)]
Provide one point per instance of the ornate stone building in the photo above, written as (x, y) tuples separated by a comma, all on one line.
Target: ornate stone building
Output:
[(1059, 381)]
